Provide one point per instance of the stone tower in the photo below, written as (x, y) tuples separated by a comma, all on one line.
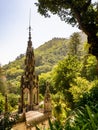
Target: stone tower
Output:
[(29, 81), (47, 100)]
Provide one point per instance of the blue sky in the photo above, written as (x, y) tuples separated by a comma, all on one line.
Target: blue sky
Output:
[(14, 24)]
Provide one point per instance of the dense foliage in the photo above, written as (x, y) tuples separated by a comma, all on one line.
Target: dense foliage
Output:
[(83, 118)]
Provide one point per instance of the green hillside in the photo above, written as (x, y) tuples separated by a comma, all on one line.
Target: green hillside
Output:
[(46, 56), (49, 54)]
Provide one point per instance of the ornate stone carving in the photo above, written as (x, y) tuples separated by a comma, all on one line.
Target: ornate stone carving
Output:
[(29, 81)]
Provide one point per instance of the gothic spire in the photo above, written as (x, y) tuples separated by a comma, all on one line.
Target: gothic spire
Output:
[(30, 26), (29, 33)]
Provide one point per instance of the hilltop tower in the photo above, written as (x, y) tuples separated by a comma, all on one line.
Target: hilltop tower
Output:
[(29, 81)]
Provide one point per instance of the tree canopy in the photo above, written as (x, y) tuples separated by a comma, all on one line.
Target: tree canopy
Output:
[(82, 13)]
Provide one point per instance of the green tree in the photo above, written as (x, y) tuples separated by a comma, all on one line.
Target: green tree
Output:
[(90, 97), (82, 13), (59, 107), (3, 88), (43, 79), (74, 44), (13, 99), (65, 71), (2, 102), (79, 87), (89, 69), (13, 86), (63, 75)]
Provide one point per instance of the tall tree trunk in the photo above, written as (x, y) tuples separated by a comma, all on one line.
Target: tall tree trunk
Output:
[(93, 41)]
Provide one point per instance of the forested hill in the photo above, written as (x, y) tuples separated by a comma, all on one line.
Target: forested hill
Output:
[(50, 53), (46, 56)]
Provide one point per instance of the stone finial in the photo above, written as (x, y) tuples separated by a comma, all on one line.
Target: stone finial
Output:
[(47, 100)]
